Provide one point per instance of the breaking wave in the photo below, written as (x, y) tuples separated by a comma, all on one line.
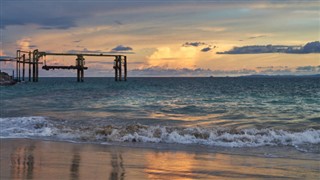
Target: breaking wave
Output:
[(41, 127)]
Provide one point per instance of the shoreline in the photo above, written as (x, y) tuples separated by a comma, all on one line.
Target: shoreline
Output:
[(42, 159)]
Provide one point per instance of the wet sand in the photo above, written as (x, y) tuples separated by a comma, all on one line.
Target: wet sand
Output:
[(37, 159)]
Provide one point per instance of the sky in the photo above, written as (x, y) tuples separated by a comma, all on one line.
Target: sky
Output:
[(168, 38)]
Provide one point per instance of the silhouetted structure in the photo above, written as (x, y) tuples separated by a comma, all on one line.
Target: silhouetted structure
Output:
[(32, 59)]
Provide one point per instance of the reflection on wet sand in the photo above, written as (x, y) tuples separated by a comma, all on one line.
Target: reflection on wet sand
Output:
[(74, 168), (32, 159), (118, 171), (22, 160), (168, 165), (182, 165)]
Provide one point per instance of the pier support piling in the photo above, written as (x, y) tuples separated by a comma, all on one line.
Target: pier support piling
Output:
[(120, 68), (80, 68), (34, 66), (23, 66), (116, 68), (29, 62), (125, 68)]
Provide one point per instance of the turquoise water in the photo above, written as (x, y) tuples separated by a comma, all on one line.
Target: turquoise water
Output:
[(232, 112)]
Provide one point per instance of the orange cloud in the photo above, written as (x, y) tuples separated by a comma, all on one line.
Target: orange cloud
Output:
[(1, 53), (24, 43), (174, 57)]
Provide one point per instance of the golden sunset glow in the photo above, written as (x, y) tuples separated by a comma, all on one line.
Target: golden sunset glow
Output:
[(169, 35), (161, 165)]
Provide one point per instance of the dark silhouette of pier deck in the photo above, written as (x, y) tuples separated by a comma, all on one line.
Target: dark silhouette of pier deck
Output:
[(45, 67), (32, 59)]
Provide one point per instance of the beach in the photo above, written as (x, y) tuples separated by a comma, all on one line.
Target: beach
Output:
[(39, 159), (160, 89)]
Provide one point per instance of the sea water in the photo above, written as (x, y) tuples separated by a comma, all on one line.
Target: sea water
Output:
[(230, 112)]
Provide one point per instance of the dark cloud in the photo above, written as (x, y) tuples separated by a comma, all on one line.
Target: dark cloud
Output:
[(120, 48), (272, 67), (285, 70), (161, 71), (311, 47), (118, 22), (110, 62), (255, 37), (33, 46), (6, 57), (257, 49), (48, 14), (76, 41), (308, 69), (271, 71), (62, 14), (194, 44), (206, 49), (200, 72), (84, 50)]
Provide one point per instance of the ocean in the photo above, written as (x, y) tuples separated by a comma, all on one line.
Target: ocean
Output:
[(228, 112)]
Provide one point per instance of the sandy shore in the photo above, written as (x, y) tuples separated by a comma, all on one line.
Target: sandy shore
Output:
[(36, 159)]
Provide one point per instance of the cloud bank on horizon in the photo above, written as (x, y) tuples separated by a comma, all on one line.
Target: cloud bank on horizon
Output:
[(160, 71), (222, 36), (311, 47)]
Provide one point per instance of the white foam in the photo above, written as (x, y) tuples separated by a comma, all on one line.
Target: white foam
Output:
[(37, 126), (25, 127), (216, 137)]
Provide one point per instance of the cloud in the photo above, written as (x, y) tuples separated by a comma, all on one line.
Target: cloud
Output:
[(194, 44), (255, 37), (206, 49), (212, 29), (174, 57), (47, 15), (308, 69), (120, 48), (6, 57), (111, 62), (33, 46), (118, 22), (2, 53), (199, 44), (76, 41), (84, 50), (23, 43), (61, 14), (183, 72), (285, 70), (311, 47), (200, 72)]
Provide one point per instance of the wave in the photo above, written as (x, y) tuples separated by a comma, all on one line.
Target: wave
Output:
[(42, 127)]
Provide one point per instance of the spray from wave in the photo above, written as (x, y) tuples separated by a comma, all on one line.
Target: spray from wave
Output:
[(41, 127)]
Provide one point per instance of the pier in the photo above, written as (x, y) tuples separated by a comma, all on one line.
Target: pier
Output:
[(33, 60)]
